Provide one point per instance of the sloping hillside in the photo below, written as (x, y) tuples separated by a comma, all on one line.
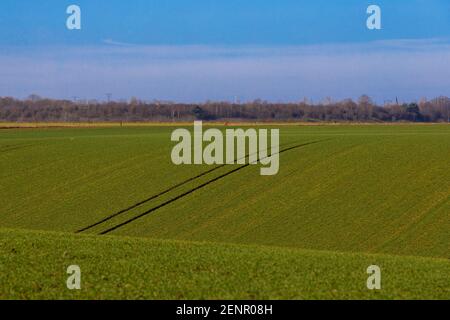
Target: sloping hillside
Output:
[(33, 266), (375, 189)]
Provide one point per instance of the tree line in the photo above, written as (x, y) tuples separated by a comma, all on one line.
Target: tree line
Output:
[(37, 109)]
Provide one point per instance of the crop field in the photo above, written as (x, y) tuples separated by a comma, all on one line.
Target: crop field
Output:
[(109, 199)]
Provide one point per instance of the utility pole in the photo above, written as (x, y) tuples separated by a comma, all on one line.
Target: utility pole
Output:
[(108, 97), (444, 102), (448, 113)]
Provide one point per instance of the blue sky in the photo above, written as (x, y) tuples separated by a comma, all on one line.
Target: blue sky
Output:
[(280, 50)]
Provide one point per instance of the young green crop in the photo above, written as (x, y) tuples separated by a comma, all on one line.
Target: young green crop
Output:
[(33, 266), (377, 189)]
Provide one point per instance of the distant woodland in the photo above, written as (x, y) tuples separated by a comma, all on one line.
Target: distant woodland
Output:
[(37, 109)]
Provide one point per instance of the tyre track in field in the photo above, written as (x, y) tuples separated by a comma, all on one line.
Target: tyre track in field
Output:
[(149, 199), (196, 189), (112, 216)]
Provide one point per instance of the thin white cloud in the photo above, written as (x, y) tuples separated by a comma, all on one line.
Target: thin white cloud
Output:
[(116, 43), (408, 69)]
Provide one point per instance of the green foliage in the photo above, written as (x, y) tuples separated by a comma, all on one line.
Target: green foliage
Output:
[(33, 266), (356, 190)]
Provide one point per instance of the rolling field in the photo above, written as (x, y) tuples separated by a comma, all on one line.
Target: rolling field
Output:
[(127, 268), (345, 197)]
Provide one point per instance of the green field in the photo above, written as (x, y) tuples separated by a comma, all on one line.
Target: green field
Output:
[(346, 197)]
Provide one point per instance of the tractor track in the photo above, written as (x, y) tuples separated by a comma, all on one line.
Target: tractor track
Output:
[(149, 199), (117, 226), (112, 216)]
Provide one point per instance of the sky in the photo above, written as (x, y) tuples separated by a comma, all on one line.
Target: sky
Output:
[(192, 51)]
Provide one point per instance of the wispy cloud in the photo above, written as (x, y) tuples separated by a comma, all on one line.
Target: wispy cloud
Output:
[(117, 43), (409, 69)]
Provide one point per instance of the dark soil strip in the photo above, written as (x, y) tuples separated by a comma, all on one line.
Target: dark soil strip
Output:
[(195, 189), (153, 197)]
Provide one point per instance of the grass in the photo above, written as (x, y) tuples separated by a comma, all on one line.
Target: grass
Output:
[(358, 191), (33, 266), (370, 193)]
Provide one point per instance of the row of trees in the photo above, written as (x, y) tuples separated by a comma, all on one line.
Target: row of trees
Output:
[(35, 109)]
